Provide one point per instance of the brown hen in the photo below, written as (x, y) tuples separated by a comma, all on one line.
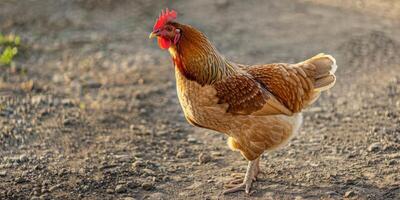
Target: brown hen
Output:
[(257, 106)]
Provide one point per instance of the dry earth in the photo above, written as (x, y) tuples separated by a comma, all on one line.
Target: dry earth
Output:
[(89, 110)]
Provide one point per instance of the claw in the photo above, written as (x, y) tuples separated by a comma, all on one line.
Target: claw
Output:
[(251, 175), (233, 183), (238, 188), (237, 175)]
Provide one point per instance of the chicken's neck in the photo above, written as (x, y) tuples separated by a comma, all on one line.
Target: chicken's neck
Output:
[(198, 60)]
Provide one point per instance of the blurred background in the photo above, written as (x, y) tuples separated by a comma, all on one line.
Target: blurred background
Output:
[(88, 107)]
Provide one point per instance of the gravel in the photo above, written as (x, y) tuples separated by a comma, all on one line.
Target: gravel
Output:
[(89, 108)]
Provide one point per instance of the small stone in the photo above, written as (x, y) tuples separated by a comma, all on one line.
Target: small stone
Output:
[(121, 188), (166, 178), (92, 85), (156, 196), (20, 180), (67, 102), (132, 184), (53, 188), (143, 110), (216, 153), (374, 147), (315, 109), (350, 193), (347, 119), (331, 193), (194, 186), (192, 140), (68, 122), (137, 164), (147, 186), (58, 78), (23, 158), (391, 162), (45, 196), (81, 171), (110, 191), (181, 154), (43, 190), (204, 158), (149, 171), (3, 173), (128, 198), (45, 182), (37, 99)]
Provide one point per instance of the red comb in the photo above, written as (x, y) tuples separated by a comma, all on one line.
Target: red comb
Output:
[(164, 18)]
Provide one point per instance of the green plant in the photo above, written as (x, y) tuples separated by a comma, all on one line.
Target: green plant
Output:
[(9, 47)]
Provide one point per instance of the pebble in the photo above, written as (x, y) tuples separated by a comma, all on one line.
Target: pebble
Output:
[(121, 188), (315, 109), (391, 162), (23, 158), (194, 186), (3, 173), (147, 186), (37, 99), (137, 164), (132, 184), (128, 198), (331, 193), (156, 196), (149, 171), (110, 191), (216, 153), (20, 180), (374, 147), (181, 154), (349, 193), (192, 140), (204, 158), (52, 188), (347, 119), (67, 102), (45, 196)]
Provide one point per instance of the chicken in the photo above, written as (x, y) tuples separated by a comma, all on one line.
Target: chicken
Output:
[(257, 106)]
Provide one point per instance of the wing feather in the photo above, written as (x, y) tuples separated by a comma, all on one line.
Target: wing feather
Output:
[(276, 88)]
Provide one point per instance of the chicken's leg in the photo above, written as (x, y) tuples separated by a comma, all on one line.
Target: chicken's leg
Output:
[(253, 169)]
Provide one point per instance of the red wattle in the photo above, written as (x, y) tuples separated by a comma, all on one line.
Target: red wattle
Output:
[(163, 43)]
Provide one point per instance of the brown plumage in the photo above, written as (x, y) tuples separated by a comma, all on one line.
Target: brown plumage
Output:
[(257, 106)]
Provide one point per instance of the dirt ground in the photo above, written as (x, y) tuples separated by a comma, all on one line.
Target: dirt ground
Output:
[(102, 120)]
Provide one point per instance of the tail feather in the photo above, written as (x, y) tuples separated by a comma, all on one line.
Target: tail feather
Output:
[(325, 68)]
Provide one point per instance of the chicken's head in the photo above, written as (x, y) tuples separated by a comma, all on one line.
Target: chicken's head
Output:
[(165, 32)]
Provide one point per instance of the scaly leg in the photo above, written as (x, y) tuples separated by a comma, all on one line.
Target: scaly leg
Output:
[(252, 171)]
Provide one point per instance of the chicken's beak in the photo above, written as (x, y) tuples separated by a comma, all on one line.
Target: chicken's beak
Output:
[(153, 35)]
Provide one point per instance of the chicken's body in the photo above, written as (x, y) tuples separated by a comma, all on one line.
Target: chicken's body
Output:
[(250, 134), (258, 107)]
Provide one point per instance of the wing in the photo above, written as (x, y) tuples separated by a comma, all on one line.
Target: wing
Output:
[(246, 96), (277, 88), (292, 85)]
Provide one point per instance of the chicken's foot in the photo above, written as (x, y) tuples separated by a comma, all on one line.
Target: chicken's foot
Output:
[(253, 168)]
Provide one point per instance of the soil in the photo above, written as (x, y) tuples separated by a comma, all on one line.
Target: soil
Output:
[(89, 108)]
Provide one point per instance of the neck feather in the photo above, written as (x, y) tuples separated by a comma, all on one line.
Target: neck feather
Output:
[(197, 59)]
